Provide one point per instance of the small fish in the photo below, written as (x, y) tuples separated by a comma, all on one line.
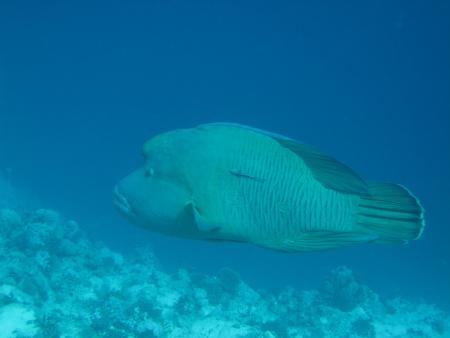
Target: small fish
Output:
[(230, 182)]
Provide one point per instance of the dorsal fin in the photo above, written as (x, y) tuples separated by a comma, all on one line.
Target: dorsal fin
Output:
[(329, 172)]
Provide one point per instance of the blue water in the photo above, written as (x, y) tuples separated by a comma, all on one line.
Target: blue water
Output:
[(84, 84)]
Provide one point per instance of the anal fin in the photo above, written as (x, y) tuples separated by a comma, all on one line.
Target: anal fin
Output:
[(319, 240)]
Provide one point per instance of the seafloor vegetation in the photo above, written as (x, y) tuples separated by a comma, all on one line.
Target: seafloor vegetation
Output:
[(55, 282)]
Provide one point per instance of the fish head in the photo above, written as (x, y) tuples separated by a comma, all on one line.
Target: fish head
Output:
[(155, 195)]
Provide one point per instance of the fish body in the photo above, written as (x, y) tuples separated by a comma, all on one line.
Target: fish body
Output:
[(232, 182)]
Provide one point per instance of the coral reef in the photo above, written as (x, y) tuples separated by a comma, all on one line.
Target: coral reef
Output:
[(55, 282)]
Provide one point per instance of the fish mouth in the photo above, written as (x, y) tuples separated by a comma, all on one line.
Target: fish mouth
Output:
[(122, 204)]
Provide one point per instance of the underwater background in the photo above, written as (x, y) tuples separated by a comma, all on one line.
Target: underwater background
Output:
[(84, 83)]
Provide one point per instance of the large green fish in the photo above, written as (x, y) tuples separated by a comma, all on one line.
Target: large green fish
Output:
[(230, 182)]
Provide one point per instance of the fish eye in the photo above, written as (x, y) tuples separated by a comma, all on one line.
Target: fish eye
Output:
[(149, 172)]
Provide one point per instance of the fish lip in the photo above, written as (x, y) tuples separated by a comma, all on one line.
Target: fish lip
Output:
[(121, 203)]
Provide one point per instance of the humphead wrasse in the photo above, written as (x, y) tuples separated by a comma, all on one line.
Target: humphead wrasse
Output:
[(230, 182)]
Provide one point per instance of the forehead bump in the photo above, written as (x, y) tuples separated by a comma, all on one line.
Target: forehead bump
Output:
[(156, 143)]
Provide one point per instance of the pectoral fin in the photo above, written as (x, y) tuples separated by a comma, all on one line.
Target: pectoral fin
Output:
[(198, 226), (199, 220)]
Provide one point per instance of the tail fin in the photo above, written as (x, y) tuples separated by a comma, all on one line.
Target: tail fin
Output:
[(391, 212)]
